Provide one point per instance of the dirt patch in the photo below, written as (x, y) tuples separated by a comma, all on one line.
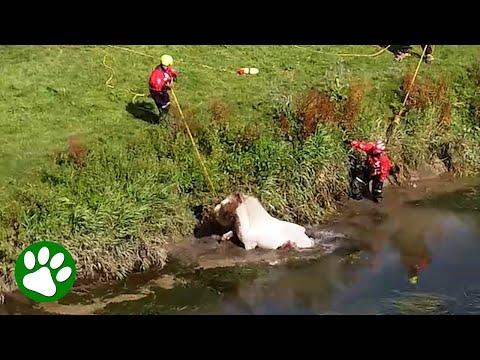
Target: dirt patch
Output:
[(436, 170), (166, 282), (78, 309), (88, 309), (207, 252)]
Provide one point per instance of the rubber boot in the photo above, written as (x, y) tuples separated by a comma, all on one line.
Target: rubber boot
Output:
[(357, 188), (377, 189)]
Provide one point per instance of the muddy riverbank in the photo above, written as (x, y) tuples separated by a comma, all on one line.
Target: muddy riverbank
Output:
[(204, 276), (336, 234)]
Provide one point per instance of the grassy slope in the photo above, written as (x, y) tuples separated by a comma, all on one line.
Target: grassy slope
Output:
[(140, 179)]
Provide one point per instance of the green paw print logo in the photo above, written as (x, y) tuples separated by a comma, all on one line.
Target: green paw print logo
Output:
[(45, 271)]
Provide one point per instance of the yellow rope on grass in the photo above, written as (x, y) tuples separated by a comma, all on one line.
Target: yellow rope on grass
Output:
[(136, 95), (367, 55), (132, 51), (210, 183), (226, 70), (211, 68), (107, 83), (346, 55), (111, 69)]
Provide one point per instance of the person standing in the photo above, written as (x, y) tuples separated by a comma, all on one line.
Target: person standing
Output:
[(160, 81)]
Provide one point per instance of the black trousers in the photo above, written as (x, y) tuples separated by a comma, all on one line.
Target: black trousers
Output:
[(162, 100), (360, 185), (407, 48)]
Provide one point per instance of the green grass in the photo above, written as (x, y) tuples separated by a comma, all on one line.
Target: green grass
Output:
[(140, 180), (420, 304)]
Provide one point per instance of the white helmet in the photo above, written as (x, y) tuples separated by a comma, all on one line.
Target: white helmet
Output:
[(379, 145)]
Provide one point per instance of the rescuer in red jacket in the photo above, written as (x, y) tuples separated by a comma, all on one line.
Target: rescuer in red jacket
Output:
[(160, 81), (378, 167)]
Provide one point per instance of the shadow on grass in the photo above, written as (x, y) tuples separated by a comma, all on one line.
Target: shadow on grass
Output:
[(144, 111)]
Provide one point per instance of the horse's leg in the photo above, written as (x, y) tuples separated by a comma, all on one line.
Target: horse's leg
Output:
[(249, 241), (287, 246)]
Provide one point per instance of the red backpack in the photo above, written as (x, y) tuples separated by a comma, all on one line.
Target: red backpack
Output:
[(157, 80)]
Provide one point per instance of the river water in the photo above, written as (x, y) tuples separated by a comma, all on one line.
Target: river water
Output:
[(415, 256)]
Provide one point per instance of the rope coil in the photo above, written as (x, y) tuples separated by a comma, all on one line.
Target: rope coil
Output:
[(111, 76)]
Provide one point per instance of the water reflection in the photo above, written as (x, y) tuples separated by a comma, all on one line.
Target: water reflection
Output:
[(417, 259), (416, 250)]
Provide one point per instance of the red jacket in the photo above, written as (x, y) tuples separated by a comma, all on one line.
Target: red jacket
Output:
[(378, 162), (161, 80)]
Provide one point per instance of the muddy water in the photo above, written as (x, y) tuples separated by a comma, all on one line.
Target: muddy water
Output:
[(418, 252)]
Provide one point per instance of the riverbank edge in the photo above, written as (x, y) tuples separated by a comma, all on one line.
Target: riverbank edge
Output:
[(172, 251)]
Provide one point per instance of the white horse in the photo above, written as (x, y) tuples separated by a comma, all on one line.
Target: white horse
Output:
[(254, 226)]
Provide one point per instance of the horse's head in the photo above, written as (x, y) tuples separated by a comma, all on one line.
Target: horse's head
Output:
[(225, 210)]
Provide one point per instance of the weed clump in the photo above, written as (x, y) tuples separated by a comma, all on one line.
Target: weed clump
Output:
[(352, 105), (321, 107), (77, 152), (427, 93), (219, 112), (314, 107)]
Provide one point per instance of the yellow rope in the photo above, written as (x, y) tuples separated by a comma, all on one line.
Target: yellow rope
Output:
[(414, 77), (111, 69), (397, 117), (345, 55), (130, 50), (135, 95), (368, 55), (150, 56), (226, 70), (211, 68), (210, 183)]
